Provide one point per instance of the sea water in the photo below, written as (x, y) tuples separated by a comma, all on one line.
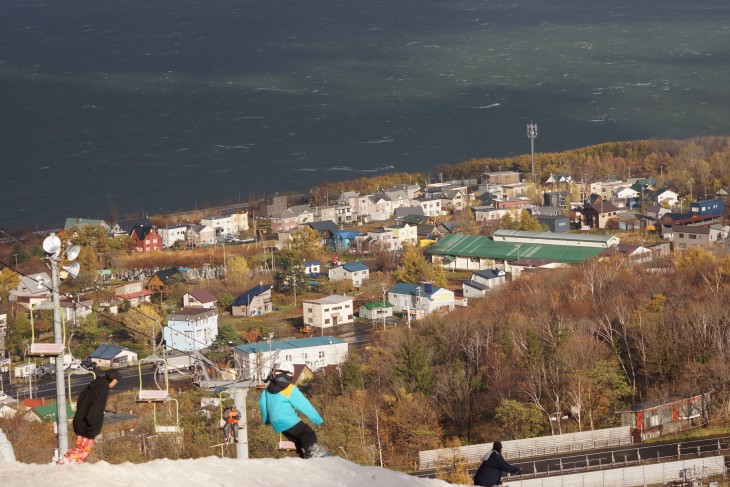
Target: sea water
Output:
[(161, 105)]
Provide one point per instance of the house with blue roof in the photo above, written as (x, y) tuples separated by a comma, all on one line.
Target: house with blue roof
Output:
[(419, 300), (113, 356), (343, 240), (356, 272), (254, 302), (257, 359), (482, 281)]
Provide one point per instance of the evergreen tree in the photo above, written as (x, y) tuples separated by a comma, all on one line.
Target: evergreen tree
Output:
[(413, 368), (352, 377), (226, 334), (290, 275)]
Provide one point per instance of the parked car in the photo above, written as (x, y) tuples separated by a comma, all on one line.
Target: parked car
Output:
[(88, 364), (48, 369)]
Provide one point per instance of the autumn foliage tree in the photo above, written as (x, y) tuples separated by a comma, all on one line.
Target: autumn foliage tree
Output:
[(414, 268)]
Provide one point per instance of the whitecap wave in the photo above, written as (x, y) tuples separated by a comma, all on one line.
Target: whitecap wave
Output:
[(487, 106), (231, 147), (377, 169), (384, 140)]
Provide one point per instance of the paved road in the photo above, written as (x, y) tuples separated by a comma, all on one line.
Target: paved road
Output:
[(617, 457), (45, 387)]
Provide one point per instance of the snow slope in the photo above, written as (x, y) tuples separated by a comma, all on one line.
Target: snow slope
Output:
[(211, 472)]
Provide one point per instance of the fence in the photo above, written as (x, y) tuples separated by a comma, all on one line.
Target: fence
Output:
[(685, 472), (530, 447)]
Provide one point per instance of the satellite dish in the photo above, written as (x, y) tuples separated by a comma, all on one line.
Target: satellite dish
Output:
[(73, 252), (52, 244), (73, 269)]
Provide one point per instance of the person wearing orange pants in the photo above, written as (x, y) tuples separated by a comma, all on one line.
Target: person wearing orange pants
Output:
[(89, 416)]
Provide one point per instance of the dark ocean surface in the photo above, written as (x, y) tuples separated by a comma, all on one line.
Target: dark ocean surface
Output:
[(163, 105)]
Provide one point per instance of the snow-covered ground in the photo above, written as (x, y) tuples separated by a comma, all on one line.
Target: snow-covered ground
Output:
[(211, 472)]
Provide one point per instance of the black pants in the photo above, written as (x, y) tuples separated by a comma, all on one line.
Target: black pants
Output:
[(303, 437)]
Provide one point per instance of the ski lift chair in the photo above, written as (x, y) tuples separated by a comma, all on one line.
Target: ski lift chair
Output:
[(284, 444), (153, 395), (167, 428), (156, 396), (46, 349), (79, 371)]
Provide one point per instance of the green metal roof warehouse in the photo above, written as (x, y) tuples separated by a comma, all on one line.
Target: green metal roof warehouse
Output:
[(457, 245)]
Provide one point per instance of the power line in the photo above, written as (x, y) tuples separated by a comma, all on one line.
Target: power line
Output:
[(110, 318), (108, 294)]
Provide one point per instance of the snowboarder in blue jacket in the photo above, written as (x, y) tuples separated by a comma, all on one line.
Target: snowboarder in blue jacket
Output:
[(279, 404)]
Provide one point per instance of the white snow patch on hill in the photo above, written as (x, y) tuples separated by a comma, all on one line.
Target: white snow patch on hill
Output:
[(211, 472)]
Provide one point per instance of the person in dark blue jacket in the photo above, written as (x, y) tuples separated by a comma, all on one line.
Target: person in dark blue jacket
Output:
[(279, 404), (490, 471)]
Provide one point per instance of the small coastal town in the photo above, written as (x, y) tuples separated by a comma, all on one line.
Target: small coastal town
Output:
[(195, 307)]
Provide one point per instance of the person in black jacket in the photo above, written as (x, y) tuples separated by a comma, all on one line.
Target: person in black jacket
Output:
[(490, 471), (89, 416)]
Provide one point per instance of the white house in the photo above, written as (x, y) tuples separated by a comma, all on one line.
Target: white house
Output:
[(418, 300), (134, 292), (197, 235), (231, 224), (171, 234), (431, 206), (200, 298), (191, 329), (382, 239), (404, 234), (328, 312), (113, 356), (482, 281), (359, 205), (376, 310), (380, 207), (312, 268), (669, 196), (356, 272), (625, 192), (31, 290), (257, 359), (686, 236), (3, 332)]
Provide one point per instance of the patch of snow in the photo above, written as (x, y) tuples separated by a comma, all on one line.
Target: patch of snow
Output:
[(213, 471)]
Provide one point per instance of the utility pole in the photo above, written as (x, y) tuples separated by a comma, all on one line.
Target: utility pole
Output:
[(52, 246), (532, 135), (62, 423), (383, 308), (239, 399)]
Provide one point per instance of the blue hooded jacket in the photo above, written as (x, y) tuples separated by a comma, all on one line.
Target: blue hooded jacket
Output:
[(280, 402)]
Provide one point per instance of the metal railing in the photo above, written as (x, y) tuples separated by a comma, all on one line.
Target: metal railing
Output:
[(527, 448), (685, 472)]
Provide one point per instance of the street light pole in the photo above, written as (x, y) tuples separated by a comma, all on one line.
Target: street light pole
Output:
[(62, 424), (52, 246)]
